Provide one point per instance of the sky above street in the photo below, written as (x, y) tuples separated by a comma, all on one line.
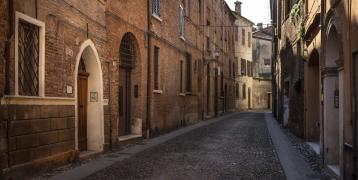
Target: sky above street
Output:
[(255, 10)]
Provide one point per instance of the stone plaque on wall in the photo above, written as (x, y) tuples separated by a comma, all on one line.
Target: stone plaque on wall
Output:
[(93, 96)]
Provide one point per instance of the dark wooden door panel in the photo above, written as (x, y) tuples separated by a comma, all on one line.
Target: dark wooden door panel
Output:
[(82, 112)]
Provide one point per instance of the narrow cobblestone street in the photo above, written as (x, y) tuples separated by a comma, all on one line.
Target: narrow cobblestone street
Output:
[(238, 147)]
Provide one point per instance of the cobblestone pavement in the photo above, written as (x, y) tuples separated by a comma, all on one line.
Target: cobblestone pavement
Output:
[(238, 147)]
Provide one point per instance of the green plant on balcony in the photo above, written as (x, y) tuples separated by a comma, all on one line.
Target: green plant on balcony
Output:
[(298, 19)]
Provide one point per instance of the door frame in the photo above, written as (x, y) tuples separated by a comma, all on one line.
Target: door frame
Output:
[(97, 143)]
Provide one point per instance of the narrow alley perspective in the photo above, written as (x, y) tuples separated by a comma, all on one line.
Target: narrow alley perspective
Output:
[(179, 89)]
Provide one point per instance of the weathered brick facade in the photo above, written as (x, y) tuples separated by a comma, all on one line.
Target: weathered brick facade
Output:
[(43, 131)]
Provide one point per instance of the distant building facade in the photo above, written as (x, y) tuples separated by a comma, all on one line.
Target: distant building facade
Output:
[(262, 67), (243, 61)]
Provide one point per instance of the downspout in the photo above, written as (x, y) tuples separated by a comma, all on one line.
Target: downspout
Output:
[(110, 106), (354, 113), (10, 11), (323, 32), (354, 100), (148, 112)]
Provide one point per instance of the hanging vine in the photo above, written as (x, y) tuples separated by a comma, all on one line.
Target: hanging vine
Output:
[(296, 17)]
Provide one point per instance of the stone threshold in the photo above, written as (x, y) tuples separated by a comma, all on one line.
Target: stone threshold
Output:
[(315, 147), (129, 137), (335, 169)]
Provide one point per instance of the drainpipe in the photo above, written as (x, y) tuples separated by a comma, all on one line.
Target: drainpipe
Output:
[(148, 112), (354, 114), (323, 32), (110, 105), (10, 15)]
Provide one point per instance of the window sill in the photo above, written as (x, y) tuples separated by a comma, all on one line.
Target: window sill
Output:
[(182, 38), (158, 91), (182, 94), (37, 100), (157, 18)]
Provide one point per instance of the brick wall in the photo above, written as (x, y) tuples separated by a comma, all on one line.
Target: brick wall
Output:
[(38, 132)]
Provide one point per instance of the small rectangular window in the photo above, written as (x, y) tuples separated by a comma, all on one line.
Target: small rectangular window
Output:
[(267, 62), (156, 7), (156, 68)]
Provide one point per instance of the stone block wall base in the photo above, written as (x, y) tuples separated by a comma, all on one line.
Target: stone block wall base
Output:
[(37, 167)]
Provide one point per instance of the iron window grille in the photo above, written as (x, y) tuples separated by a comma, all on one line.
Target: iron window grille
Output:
[(28, 63), (128, 54), (156, 7)]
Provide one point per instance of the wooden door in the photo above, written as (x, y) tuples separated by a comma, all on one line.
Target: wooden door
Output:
[(124, 101), (82, 95), (268, 100), (249, 99)]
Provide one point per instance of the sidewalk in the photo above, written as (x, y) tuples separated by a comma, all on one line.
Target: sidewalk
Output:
[(294, 165)]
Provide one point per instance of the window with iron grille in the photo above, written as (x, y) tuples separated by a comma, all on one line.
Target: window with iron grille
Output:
[(181, 21), (28, 58), (156, 68), (128, 54), (188, 73), (156, 7)]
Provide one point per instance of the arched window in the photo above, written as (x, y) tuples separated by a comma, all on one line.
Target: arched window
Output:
[(128, 51)]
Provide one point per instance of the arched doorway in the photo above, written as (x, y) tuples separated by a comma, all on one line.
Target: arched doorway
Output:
[(332, 98), (89, 99), (129, 77), (312, 98)]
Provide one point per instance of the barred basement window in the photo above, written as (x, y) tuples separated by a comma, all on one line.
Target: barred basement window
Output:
[(156, 7), (29, 56)]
